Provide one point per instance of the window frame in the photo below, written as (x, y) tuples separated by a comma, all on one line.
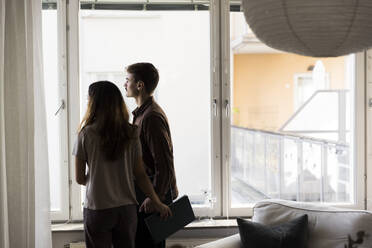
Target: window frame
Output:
[(63, 213), (73, 8), (220, 85), (368, 143), (74, 78), (359, 124), (360, 133)]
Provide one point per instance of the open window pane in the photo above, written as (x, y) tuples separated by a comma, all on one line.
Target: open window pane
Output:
[(50, 52), (55, 113), (178, 44), (292, 125)]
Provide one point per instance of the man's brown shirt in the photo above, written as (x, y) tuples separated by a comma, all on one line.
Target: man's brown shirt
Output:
[(157, 147)]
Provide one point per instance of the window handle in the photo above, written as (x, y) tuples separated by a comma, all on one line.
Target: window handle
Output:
[(62, 106), (227, 108), (215, 107)]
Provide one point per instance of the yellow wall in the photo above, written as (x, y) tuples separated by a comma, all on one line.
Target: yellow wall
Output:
[(263, 87)]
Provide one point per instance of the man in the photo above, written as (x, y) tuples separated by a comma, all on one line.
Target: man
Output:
[(157, 148)]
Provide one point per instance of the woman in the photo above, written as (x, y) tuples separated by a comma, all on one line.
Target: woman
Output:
[(110, 147)]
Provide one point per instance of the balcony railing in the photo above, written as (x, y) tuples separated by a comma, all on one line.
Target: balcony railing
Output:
[(277, 165)]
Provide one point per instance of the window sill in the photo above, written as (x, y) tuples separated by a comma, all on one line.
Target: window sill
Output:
[(197, 224)]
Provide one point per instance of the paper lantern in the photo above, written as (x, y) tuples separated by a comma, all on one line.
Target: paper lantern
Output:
[(318, 28)]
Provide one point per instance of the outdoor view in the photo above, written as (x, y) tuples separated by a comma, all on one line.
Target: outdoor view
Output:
[(292, 123)]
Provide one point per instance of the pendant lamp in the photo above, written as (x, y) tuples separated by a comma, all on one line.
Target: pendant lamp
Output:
[(317, 28)]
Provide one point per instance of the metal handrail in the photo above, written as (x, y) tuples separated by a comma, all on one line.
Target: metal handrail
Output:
[(294, 136)]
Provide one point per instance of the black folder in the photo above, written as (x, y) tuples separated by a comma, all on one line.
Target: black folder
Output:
[(182, 215)]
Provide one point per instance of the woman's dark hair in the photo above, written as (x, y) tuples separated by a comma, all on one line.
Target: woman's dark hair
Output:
[(147, 73), (107, 110)]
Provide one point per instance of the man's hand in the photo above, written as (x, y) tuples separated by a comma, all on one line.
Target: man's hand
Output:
[(147, 206), (163, 210)]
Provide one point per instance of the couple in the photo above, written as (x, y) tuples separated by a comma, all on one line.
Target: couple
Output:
[(130, 167)]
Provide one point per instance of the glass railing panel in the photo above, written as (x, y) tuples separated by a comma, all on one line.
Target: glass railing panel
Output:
[(273, 166), (338, 179), (311, 174), (289, 186)]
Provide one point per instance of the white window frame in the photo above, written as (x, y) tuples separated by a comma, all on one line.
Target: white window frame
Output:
[(215, 114), (220, 113), (359, 122), (360, 133), (226, 108), (63, 213), (73, 8), (368, 102)]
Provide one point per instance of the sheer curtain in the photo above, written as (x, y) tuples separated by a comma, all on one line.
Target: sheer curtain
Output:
[(24, 186)]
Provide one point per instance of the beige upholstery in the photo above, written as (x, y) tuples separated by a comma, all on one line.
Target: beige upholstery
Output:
[(229, 242), (329, 227)]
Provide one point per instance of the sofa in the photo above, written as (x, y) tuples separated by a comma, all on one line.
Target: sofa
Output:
[(328, 227)]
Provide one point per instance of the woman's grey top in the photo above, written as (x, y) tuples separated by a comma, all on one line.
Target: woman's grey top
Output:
[(110, 183)]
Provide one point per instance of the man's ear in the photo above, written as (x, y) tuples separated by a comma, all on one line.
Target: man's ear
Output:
[(140, 85)]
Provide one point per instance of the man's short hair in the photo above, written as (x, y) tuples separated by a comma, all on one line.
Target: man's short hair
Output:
[(147, 73)]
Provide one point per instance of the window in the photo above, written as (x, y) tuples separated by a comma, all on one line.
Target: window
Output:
[(55, 95), (247, 122), (293, 124), (178, 44)]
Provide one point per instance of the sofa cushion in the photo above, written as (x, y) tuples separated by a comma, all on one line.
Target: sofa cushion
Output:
[(228, 242), (329, 227), (291, 234)]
